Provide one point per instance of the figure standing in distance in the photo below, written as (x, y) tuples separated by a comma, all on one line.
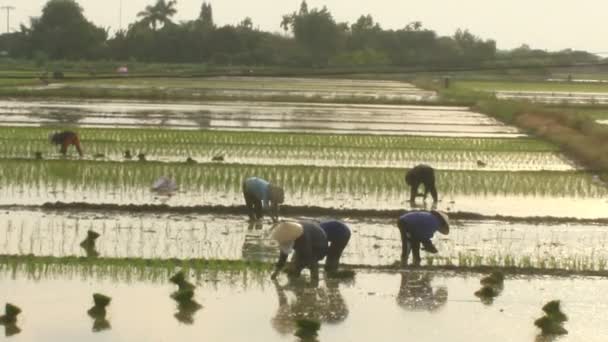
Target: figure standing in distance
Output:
[(421, 174), (418, 228), (262, 195), (65, 139)]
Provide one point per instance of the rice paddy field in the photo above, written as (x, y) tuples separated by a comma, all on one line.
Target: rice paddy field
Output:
[(518, 205)]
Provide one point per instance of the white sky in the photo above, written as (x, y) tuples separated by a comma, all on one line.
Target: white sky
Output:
[(545, 24)]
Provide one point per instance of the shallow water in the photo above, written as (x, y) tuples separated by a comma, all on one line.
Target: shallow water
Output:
[(263, 87), (376, 306), (374, 241), (329, 118)]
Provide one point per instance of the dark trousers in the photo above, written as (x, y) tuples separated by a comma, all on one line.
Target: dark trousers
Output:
[(334, 252), (409, 244), (253, 204)]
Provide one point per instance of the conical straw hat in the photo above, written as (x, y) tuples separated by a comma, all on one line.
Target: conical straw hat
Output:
[(445, 227), (285, 232)]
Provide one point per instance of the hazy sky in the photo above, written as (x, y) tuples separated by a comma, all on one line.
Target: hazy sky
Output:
[(545, 24)]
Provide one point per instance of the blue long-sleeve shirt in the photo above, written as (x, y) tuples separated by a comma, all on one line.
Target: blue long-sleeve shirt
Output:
[(259, 188), (421, 225)]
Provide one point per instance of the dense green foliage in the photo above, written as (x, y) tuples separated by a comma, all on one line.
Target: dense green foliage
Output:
[(316, 39)]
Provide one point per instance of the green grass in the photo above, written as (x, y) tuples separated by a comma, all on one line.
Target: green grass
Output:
[(381, 183), (532, 86), (131, 269)]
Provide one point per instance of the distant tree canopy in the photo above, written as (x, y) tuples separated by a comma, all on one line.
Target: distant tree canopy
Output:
[(313, 38), (62, 32)]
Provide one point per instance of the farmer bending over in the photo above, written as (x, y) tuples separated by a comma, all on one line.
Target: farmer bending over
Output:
[(65, 139), (338, 235), (421, 174), (261, 195), (309, 242), (418, 228)]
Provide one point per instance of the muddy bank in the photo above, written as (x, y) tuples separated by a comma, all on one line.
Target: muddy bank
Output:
[(287, 210)]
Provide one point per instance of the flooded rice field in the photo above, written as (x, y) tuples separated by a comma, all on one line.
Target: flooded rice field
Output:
[(258, 88), (523, 193), (264, 116), (374, 242), (245, 306), (335, 158)]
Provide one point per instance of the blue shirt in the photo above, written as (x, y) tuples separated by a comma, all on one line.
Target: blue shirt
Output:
[(335, 230), (421, 225), (259, 188)]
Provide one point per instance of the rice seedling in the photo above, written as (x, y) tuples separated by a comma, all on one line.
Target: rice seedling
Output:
[(131, 180), (11, 312), (9, 320), (98, 312), (552, 322)]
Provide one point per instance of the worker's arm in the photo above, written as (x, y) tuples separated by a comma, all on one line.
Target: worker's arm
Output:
[(304, 258), (274, 211), (279, 266)]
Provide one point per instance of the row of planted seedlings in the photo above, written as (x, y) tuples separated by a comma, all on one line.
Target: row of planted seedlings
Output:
[(381, 183), (345, 156), (59, 237), (23, 135)]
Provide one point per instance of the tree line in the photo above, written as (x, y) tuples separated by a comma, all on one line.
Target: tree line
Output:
[(311, 38)]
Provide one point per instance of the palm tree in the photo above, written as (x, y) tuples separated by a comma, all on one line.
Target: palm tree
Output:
[(161, 12)]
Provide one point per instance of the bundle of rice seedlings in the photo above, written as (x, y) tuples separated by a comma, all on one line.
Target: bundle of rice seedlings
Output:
[(552, 322), (307, 328)]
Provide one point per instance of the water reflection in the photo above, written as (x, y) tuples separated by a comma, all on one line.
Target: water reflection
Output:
[(186, 310), (298, 300), (417, 294), (10, 329), (100, 322), (257, 245)]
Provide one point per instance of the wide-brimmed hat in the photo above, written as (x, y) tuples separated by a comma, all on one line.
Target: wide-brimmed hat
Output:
[(286, 232), (445, 226)]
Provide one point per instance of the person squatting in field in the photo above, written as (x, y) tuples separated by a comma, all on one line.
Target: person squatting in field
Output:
[(65, 139), (418, 228), (262, 195), (421, 174), (311, 242)]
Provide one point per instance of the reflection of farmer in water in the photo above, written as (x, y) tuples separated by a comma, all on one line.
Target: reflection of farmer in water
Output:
[(261, 195), (416, 292), (418, 228), (324, 304), (421, 174), (309, 242), (65, 139)]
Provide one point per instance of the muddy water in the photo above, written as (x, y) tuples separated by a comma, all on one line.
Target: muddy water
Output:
[(329, 118), (376, 306), (374, 242)]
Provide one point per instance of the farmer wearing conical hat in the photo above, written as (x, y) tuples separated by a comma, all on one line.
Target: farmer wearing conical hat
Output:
[(309, 242), (262, 195), (418, 228), (65, 139), (421, 175)]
